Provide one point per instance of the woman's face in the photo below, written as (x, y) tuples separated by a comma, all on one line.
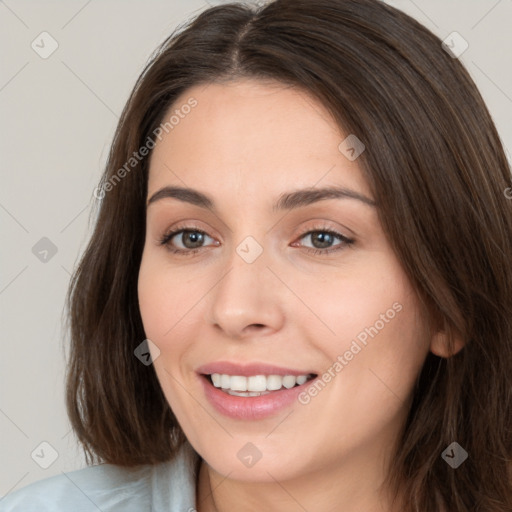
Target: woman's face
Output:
[(304, 283)]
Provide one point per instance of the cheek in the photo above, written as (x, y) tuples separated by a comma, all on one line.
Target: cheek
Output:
[(163, 307), (170, 305), (364, 301), (156, 302), (383, 373), (165, 296), (378, 332)]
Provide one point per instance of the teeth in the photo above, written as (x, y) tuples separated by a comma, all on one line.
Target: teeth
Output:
[(301, 379), (238, 383), (289, 381), (274, 382), (224, 381), (246, 393), (216, 379), (256, 384)]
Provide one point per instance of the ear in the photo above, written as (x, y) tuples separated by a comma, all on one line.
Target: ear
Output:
[(440, 344)]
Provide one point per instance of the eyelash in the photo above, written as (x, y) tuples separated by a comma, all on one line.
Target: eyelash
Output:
[(347, 242)]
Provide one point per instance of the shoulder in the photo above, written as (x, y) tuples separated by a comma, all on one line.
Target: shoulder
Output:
[(112, 488), (82, 490)]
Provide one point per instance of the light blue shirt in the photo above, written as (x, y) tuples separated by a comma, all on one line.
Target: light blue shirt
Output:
[(165, 487)]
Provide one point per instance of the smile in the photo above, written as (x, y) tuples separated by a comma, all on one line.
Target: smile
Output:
[(256, 385), (252, 390)]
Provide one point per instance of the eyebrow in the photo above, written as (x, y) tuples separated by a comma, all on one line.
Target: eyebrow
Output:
[(286, 201)]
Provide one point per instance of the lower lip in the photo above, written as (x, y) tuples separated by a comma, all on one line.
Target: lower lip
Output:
[(251, 408)]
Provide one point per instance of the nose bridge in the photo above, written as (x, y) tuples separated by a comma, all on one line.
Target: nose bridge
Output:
[(247, 292)]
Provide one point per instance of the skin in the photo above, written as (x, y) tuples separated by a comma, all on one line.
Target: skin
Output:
[(245, 143)]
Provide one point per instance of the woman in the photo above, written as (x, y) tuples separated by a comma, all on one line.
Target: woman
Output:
[(297, 295)]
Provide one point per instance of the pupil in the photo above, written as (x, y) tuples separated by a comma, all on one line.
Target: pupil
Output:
[(194, 236), (324, 238)]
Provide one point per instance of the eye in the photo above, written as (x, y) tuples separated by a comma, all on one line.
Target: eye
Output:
[(323, 237), (192, 240)]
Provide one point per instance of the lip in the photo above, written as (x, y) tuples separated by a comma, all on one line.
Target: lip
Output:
[(254, 407), (246, 370)]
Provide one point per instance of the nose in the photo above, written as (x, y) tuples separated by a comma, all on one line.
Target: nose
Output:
[(247, 299)]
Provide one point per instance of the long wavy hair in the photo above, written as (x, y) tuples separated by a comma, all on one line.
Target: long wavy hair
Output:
[(438, 170)]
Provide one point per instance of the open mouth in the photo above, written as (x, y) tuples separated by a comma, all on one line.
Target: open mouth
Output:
[(256, 385)]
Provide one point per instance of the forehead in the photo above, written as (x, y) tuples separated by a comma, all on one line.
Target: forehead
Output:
[(253, 138)]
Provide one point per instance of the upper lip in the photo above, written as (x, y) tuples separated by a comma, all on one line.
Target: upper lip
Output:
[(230, 368)]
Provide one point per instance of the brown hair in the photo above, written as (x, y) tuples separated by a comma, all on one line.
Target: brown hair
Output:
[(437, 168)]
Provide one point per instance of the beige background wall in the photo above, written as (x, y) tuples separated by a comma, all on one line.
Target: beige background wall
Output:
[(58, 115)]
